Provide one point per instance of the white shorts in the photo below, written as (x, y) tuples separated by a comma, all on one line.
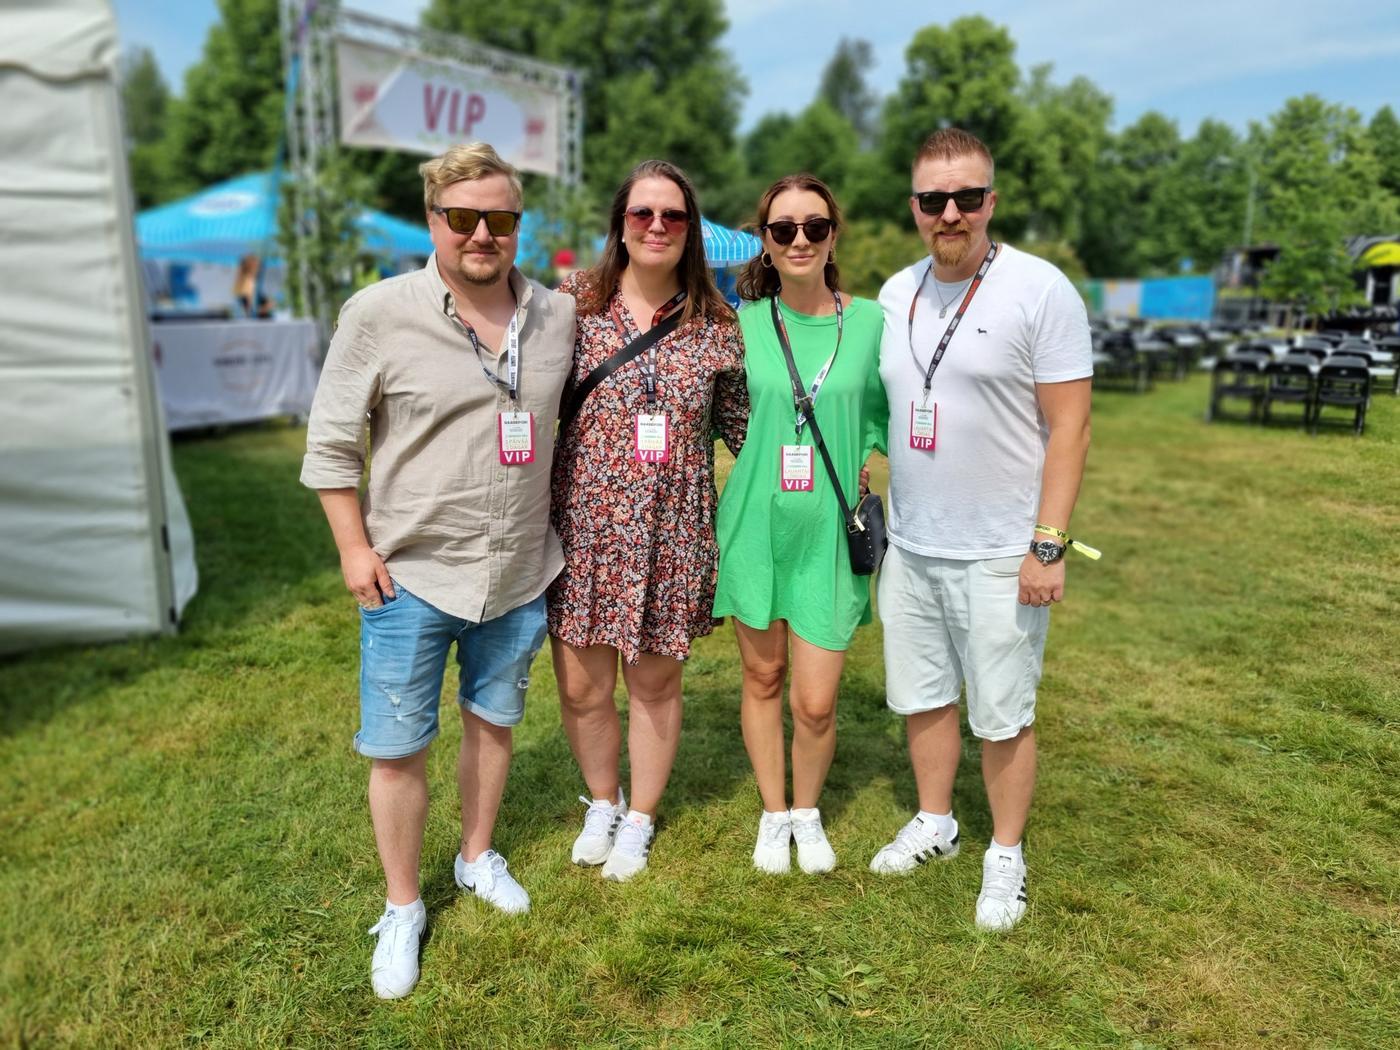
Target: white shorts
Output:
[(947, 621)]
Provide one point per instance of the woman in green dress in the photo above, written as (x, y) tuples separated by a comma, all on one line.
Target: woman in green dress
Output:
[(784, 571)]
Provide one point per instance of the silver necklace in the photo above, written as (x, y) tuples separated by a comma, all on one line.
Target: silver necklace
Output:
[(943, 312)]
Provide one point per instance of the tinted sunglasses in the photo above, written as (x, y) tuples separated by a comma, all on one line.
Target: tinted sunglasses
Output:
[(784, 231), (639, 218), (466, 220), (933, 202)]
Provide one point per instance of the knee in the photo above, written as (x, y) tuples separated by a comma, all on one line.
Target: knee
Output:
[(406, 770), (765, 682), (585, 701), (816, 716)]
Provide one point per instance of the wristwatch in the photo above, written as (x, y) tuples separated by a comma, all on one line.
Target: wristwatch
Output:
[(1047, 551)]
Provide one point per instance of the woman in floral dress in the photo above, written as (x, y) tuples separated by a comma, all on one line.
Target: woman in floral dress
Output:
[(634, 502)]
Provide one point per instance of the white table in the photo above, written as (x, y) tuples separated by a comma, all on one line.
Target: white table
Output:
[(216, 372)]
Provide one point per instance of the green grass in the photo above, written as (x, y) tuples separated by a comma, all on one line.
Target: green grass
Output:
[(186, 856)]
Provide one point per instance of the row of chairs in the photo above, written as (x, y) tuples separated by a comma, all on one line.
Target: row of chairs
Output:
[(1251, 374)]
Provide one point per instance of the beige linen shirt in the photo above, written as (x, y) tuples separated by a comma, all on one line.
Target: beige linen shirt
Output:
[(459, 529)]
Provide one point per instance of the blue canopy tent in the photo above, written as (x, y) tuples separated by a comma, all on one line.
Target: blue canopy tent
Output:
[(725, 247), (224, 222)]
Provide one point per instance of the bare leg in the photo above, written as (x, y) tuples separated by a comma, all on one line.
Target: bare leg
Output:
[(764, 656), (816, 676), (586, 679), (398, 807), (482, 765), (935, 745), (653, 726), (1008, 770)]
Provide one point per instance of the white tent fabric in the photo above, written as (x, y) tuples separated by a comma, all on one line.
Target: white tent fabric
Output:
[(94, 539)]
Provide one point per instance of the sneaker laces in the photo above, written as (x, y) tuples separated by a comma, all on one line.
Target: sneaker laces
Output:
[(773, 834), (631, 839), (487, 868), (1001, 879), (808, 832), (392, 925), (914, 838), (598, 820)]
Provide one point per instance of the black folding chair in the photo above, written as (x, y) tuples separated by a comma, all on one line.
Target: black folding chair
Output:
[(1390, 344), (1344, 386), (1311, 349), (1240, 376), (1289, 381)]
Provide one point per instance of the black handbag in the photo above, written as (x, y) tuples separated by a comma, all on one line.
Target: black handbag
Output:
[(865, 525)]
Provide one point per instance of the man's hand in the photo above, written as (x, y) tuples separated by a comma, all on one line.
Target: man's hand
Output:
[(1041, 584), (366, 577)]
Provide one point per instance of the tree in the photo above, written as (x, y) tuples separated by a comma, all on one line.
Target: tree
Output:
[(1384, 133), (656, 83), (844, 88), (229, 119), (1062, 139), (145, 101), (1196, 210), (1116, 240)]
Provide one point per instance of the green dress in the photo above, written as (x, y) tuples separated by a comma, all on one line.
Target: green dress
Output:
[(783, 555)]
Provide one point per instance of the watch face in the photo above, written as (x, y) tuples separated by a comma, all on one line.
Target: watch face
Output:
[(1048, 551)]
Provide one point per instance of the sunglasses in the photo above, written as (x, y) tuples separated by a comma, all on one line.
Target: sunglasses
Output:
[(933, 202), (784, 231), (466, 220), (639, 218)]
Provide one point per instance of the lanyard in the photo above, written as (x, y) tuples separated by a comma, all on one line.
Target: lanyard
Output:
[(512, 384), (952, 325), (805, 403), (649, 361)]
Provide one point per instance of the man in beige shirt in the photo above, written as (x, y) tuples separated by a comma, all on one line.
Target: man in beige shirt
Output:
[(458, 369)]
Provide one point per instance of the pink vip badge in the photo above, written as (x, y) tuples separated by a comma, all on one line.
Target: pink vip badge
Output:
[(796, 468), (652, 441), (923, 427), (517, 437)]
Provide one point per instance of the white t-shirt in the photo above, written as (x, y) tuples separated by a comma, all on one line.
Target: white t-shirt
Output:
[(976, 494)]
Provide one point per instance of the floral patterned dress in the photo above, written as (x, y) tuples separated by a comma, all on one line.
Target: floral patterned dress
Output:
[(639, 540)]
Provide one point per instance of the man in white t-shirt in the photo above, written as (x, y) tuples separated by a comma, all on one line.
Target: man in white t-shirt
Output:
[(986, 362)]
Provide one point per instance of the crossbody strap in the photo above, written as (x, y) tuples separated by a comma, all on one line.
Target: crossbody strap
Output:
[(803, 402), (630, 352)]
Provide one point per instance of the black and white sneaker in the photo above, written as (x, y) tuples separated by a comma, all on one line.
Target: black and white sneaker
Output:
[(1002, 901), (917, 843)]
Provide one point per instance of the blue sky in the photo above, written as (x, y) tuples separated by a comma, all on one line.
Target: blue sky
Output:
[(1189, 59)]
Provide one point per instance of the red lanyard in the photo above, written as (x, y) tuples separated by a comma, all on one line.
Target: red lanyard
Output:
[(953, 324)]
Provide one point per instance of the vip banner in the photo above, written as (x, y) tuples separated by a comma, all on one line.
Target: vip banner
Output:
[(394, 99)]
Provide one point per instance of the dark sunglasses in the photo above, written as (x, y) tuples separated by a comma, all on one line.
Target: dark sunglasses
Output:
[(466, 220), (933, 202), (639, 218), (784, 231)]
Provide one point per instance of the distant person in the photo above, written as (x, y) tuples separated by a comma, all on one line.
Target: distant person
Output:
[(459, 367), (986, 362), (565, 265), (249, 301), (634, 501), (784, 572)]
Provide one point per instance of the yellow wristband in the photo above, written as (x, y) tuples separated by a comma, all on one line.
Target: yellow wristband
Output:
[(1092, 553)]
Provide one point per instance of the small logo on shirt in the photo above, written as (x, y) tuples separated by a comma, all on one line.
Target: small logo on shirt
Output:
[(981, 331)]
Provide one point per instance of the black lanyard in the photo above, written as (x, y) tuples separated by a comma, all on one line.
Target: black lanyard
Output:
[(952, 325), (804, 402), (512, 384), (649, 361)]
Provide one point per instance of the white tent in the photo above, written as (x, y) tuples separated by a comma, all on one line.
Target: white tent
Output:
[(94, 539)]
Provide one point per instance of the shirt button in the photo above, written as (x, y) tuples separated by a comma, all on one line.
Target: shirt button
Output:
[(500, 475)]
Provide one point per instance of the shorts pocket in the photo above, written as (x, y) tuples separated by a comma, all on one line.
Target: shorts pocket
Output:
[(1008, 566)]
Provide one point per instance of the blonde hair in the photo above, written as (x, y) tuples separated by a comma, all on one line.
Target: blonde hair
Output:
[(465, 163), (953, 143)]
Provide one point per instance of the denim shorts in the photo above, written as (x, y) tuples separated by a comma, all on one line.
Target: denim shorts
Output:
[(403, 653)]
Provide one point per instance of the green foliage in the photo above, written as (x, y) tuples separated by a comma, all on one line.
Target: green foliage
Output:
[(1059, 253), (655, 80), (869, 252), (1136, 162), (1384, 132), (145, 103), (229, 120), (844, 88), (325, 210)]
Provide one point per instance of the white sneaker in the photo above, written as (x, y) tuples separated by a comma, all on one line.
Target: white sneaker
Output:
[(595, 841), (394, 970), (489, 879), (629, 853), (915, 844), (773, 851), (814, 853), (1002, 901)]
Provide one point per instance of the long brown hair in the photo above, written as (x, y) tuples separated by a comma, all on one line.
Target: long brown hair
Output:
[(702, 298), (758, 280)]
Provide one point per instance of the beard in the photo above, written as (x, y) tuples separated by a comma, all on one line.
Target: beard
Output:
[(950, 253), (481, 271)]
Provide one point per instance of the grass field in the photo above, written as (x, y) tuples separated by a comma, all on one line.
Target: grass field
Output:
[(1214, 853)]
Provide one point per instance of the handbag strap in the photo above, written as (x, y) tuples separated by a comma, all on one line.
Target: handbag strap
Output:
[(629, 352), (802, 401)]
